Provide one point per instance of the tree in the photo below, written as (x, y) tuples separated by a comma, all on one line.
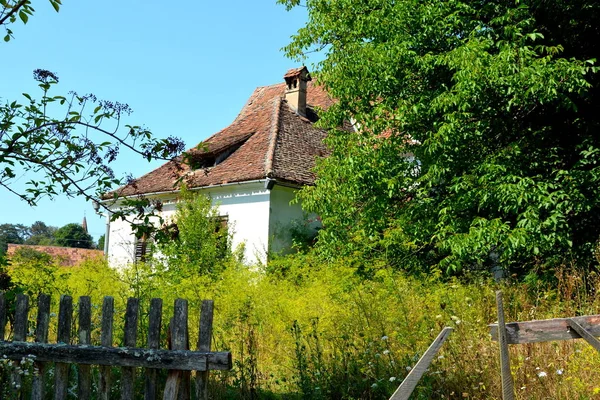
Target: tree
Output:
[(66, 144), (478, 143), (73, 235), (195, 241), (11, 233), (41, 234), (101, 240)]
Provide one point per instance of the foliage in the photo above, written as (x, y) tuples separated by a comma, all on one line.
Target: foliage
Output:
[(478, 122), (11, 233), (101, 240), (197, 241), (73, 235), (36, 272), (41, 234), (37, 234), (67, 144), (321, 331)]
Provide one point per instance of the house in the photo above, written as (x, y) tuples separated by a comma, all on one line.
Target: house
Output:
[(251, 170)]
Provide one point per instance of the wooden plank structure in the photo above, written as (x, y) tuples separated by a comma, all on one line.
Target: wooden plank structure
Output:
[(585, 327), (409, 383), (178, 359)]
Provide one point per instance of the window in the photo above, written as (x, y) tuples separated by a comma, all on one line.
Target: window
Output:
[(143, 246), (222, 223)]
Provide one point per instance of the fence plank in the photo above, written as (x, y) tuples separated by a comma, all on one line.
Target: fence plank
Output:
[(414, 376), (129, 340), (185, 360), (106, 340), (21, 316), (2, 315), (185, 387), (547, 329), (154, 325), (41, 336), (84, 387), (204, 342), (508, 389), (178, 329), (595, 343), (61, 370), (20, 334)]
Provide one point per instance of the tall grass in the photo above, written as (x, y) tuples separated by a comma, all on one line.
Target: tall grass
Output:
[(313, 331)]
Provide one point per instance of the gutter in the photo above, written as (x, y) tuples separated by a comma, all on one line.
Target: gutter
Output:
[(193, 189)]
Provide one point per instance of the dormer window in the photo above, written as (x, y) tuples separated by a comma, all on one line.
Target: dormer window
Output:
[(214, 158)]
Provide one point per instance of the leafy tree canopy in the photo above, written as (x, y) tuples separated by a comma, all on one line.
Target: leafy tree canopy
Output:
[(101, 241), (478, 129), (73, 235), (66, 144), (12, 233), (41, 234)]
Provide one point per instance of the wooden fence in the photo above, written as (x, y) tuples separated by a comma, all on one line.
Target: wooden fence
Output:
[(585, 327), (178, 359)]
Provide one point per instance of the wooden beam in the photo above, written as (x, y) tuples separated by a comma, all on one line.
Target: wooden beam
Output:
[(118, 356), (414, 376), (595, 343), (204, 341), (547, 330), (508, 387)]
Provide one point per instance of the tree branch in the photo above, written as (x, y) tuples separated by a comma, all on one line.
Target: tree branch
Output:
[(14, 9)]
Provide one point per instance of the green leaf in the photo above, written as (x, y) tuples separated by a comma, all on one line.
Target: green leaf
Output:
[(24, 17)]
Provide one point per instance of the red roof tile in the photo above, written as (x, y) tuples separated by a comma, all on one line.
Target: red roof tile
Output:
[(294, 72), (267, 139), (66, 256)]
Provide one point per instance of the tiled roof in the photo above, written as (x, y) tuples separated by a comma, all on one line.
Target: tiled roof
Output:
[(267, 139), (294, 72), (66, 256)]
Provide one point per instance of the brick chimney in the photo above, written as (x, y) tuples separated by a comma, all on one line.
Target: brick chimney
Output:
[(295, 91)]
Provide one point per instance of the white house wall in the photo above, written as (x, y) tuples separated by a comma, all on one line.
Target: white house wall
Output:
[(286, 217), (247, 206)]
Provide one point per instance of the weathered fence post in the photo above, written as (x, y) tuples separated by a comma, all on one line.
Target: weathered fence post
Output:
[(20, 331), (41, 336), (178, 329), (204, 339), (508, 390), (85, 338), (61, 370), (154, 324), (2, 315), (106, 340), (130, 339)]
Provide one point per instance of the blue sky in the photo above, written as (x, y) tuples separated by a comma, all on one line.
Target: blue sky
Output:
[(185, 68)]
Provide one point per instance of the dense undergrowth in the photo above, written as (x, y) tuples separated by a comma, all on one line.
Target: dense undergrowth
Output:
[(302, 329)]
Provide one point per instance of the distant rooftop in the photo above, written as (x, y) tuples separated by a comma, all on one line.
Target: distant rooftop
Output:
[(65, 256)]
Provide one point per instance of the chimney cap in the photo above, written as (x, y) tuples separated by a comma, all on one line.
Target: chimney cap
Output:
[(296, 72)]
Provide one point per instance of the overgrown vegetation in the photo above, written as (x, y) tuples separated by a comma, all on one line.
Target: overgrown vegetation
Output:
[(312, 330), (477, 145)]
